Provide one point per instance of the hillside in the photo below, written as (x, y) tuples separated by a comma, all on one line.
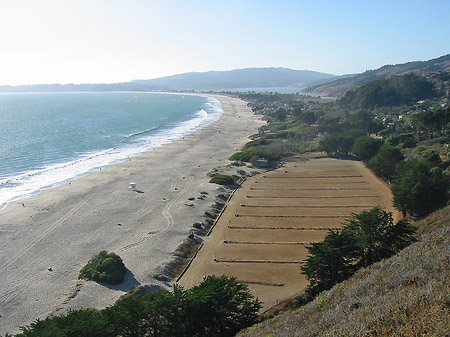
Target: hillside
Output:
[(396, 90), (341, 85), (406, 295), (238, 78)]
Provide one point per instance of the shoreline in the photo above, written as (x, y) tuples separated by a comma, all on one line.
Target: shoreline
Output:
[(122, 156), (62, 227)]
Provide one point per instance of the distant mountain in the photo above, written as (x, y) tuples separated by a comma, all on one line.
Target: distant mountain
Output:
[(239, 78), (211, 80), (340, 86)]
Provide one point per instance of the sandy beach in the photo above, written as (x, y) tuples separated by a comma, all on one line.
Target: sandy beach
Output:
[(46, 239)]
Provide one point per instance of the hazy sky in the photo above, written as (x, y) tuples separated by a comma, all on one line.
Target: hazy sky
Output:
[(92, 41)]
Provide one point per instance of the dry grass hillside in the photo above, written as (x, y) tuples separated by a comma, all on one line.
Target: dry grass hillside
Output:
[(406, 295)]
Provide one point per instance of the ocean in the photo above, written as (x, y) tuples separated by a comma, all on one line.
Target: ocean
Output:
[(47, 139)]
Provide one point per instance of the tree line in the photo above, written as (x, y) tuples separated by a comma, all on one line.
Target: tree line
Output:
[(219, 306)]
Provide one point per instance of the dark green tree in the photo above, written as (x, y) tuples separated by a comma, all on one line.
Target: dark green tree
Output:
[(365, 147), (340, 143), (330, 261), (384, 163), (431, 156), (82, 322), (419, 190), (308, 117), (404, 140), (377, 235), (127, 316), (166, 313), (433, 121), (364, 239), (220, 306), (280, 114)]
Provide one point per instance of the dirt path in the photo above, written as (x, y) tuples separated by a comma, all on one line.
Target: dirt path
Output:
[(260, 238)]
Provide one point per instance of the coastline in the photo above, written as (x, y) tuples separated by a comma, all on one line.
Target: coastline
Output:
[(49, 175), (62, 227)]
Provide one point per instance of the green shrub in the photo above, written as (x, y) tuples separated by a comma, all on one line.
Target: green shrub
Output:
[(385, 161), (365, 147), (222, 179), (104, 267), (197, 225), (419, 190)]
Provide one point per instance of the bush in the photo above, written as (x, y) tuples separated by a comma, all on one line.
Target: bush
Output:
[(419, 190), (222, 179), (384, 163), (431, 156), (104, 267), (366, 147), (366, 238), (197, 225), (340, 143)]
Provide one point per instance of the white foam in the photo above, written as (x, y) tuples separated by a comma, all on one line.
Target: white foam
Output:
[(29, 183)]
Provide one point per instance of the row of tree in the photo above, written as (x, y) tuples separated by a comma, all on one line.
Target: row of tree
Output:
[(419, 187), (219, 306)]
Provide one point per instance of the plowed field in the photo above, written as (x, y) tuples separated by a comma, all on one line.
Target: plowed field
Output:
[(261, 236)]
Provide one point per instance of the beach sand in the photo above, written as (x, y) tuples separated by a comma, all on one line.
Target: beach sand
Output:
[(63, 227)]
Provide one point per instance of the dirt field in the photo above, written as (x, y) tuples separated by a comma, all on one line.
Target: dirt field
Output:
[(260, 238)]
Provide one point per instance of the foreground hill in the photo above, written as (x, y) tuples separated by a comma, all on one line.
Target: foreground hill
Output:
[(406, 295), (340, 86), (238, 78)]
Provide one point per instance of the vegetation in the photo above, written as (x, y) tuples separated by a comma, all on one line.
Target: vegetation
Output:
[(405, 295), (345, 83), (366, 238), (417, 189), (385, 161), (365, 148), (222, 179), (104, 267), (410, 115), (400, 127), (382, 123), (396, 90), (340, 143), (219, 306)]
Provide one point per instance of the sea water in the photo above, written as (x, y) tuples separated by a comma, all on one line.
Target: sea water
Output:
[(47, 139)]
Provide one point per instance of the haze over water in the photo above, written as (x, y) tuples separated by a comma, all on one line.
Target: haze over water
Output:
[(48, 138)]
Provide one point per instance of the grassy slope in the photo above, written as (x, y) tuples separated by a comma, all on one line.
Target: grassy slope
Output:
[(406, 295)]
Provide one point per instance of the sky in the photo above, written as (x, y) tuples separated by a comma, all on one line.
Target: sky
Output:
[(107, 41)]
